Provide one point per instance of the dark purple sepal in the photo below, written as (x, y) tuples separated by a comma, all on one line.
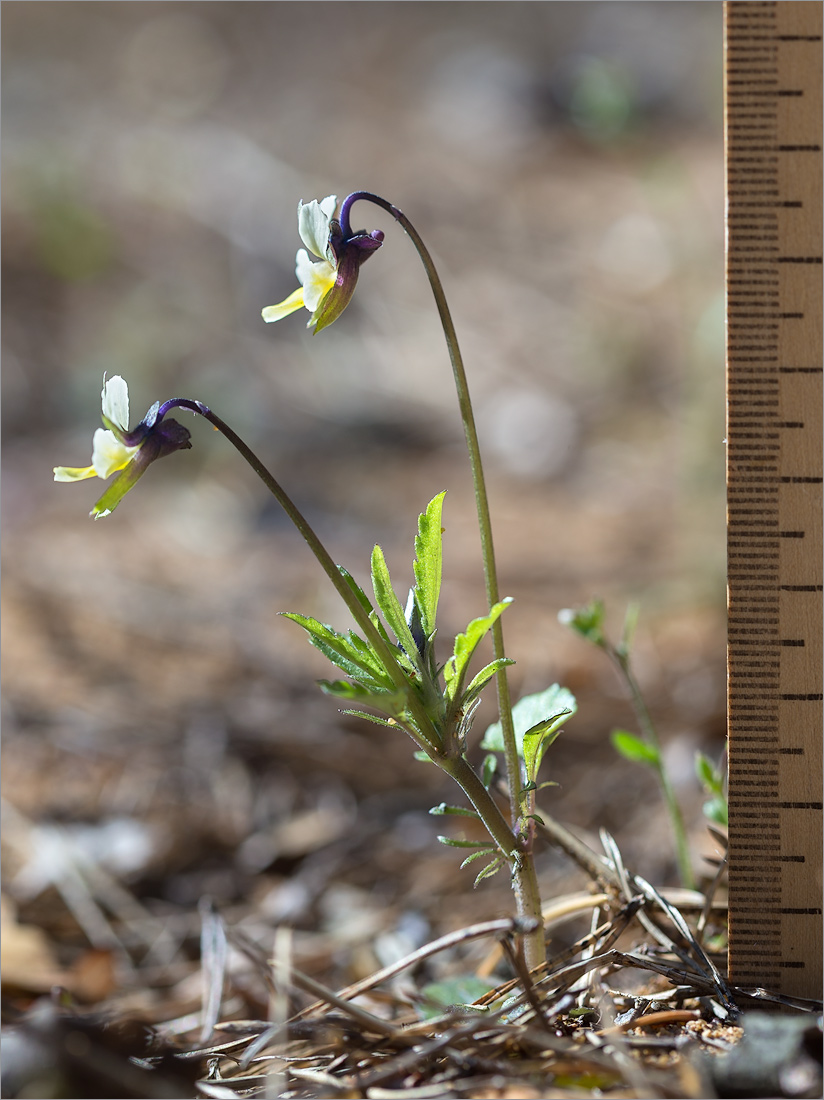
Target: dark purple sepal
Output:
[(349, 254), (158, 440)]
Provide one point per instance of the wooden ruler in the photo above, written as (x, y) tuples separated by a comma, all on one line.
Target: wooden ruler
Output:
[(773, 75)]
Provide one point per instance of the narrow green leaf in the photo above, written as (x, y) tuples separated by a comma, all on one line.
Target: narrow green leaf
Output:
[(491, 869), (530, 714), (428, 563), (359, 593), (482, 853), (389, 603), (479, 682), (635, 748), (460, 811), (378, 721), (465, 646), (349, 652), (452, 843), (392, 703)]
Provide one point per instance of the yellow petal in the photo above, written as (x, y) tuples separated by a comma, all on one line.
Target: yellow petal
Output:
[(284, 308), (73, 473), (318, 279)]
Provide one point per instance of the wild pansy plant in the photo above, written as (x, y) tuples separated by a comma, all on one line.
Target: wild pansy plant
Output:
[(389, 662)]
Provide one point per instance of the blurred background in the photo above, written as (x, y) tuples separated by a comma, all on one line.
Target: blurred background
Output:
[(164, 739)]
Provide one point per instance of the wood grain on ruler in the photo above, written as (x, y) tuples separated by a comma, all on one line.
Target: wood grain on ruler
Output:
[(774, 478)]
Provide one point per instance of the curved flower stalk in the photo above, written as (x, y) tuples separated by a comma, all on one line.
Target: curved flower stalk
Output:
[(327, 283), (115, 449)]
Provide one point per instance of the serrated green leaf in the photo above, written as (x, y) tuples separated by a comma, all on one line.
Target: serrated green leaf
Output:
[(349, 652), (390, 702), (465, 646), (635, 748), (530, 714), (428, 565), (389, 603), (460, 811)]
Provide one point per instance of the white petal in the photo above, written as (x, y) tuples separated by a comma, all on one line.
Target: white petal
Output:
[(115, 398), (313, 223), (108, 453)]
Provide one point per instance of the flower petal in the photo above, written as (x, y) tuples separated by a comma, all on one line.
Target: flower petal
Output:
[(284, 308), (73, 473), (115, 398), (317, 278), (313, 224), (109, 454)]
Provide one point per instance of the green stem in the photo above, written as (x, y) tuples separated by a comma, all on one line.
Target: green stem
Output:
[(524, 877), (650, 733), (430, 737)]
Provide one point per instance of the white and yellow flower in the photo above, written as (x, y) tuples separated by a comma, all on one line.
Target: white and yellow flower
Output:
[(327, 282), (115, 449), (109, 453)]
